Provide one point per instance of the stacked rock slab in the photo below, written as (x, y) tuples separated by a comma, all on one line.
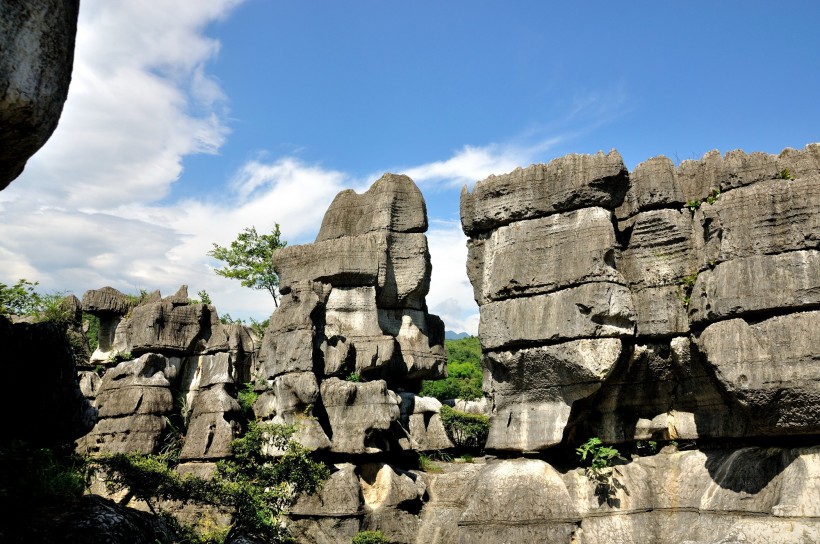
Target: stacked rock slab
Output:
[(669, 303), (352, 330), (165, 363), (554, 308)]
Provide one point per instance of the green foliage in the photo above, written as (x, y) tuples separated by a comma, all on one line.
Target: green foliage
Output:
[(427, 464), (647, 447), (20, 298), (685, 286), (204, 297), (464, 377), (465, 430), (31, 476), (120, 356), (713, 196), (247, 397), (353, 377), (601, 458), (785, 174), (370, 537), (91, 323), (258, 489), (136, 300), (259, 327), (249, 259)]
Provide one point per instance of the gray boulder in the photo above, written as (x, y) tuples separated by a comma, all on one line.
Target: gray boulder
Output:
[(752, 285), (565, 184), (533, 389), (37, 45), (543, 255), (589, 310)]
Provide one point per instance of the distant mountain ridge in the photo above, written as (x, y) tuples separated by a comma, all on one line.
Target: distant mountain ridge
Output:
[(452, 335)]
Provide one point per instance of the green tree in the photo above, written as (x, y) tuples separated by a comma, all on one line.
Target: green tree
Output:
[(20, 298), (249, 259)]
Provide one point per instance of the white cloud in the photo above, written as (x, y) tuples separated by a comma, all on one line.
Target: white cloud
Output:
[(127, 123), (88, 211), (451, 295), (474, 163)]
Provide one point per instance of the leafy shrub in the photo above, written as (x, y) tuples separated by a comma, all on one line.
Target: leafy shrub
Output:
[(786, 174), (601, 457), (465, 430), (353, 377), (464, 377), (247, 397), (370, 537)]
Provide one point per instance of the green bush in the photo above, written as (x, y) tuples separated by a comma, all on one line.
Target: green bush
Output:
[(601, 458), (464, 376), (247, 397), (465, 430), (370, 537)]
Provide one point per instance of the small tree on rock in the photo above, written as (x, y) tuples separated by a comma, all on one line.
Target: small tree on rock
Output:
[(249, 259)]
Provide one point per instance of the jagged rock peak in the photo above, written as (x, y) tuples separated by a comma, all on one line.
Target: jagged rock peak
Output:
[(393, 204)]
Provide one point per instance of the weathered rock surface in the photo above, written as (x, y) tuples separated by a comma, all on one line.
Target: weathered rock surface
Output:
[(589, 310), (770, 367), (565, 184), (393, 204), (757, 284), (765, 218), (533, 389), (37, 45), (544, 255), (686, 250), (353, 308)]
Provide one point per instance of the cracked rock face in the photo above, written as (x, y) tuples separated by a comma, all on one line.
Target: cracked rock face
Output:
[(36, 59), (706, 275), (353, 328)]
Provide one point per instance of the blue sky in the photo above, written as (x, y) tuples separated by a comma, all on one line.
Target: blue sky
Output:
[(187, 121)]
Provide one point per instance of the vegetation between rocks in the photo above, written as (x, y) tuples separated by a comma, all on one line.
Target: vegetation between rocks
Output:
[(463, 379), (468, 431), (370, 537), (257, 488)]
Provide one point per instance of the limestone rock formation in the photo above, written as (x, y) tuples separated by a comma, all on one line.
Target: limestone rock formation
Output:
[(36, 58), (553, 304), (353, 329), (705, 277), (166, 361)]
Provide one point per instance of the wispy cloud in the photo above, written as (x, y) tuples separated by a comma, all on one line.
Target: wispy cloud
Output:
[(473, 163)]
